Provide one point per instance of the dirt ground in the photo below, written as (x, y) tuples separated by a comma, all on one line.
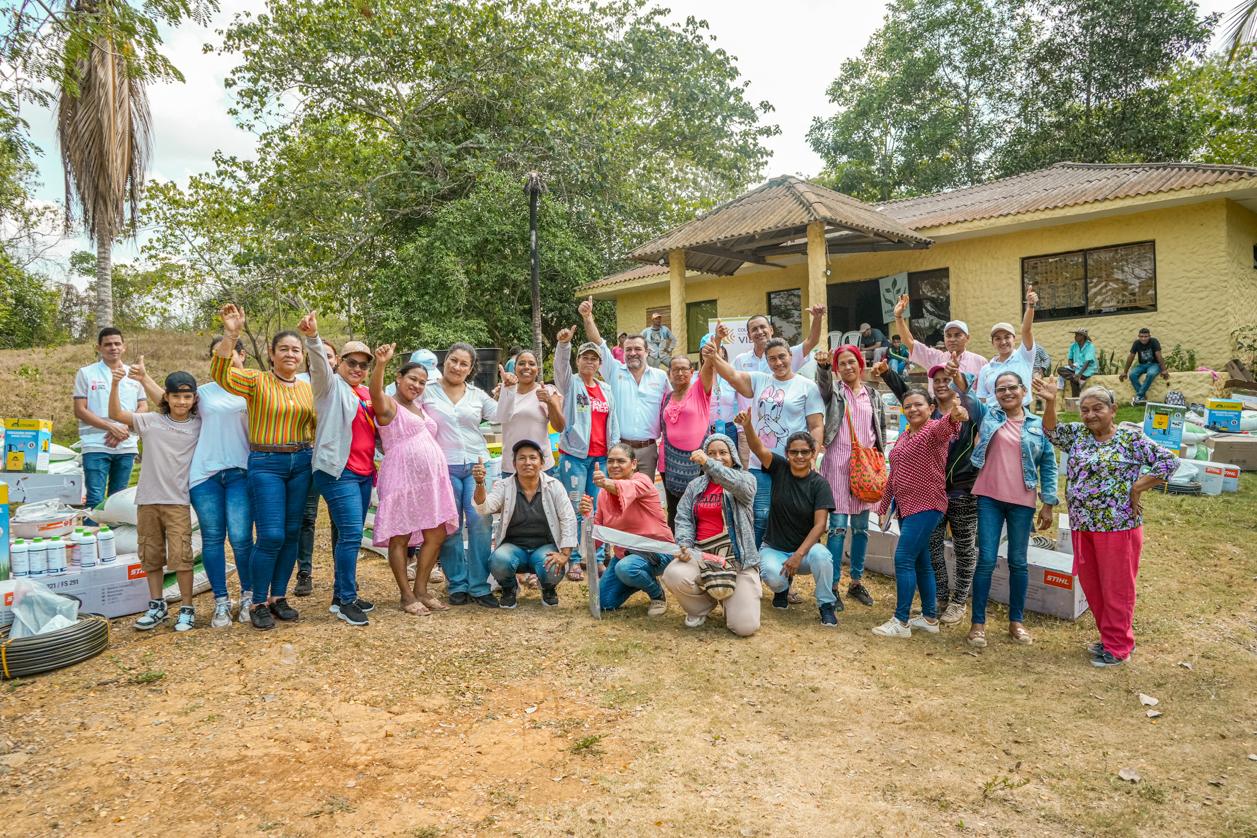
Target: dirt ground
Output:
[(540, 722)]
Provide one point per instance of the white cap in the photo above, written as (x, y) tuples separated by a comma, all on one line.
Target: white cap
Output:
[(426, 357), (957, 324), (1003, 327)]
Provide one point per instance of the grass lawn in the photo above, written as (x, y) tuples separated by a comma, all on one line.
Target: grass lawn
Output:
[(543, 722)]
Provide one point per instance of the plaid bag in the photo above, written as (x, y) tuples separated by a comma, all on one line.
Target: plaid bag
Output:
[(716, 574)]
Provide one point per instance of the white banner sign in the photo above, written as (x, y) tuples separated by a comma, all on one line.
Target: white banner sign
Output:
[(891, 288)]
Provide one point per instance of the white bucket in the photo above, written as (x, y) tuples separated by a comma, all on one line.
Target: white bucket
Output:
[(1211, 478)]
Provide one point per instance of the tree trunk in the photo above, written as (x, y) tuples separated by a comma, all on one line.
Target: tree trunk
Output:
[(104, 283), (534, 193)]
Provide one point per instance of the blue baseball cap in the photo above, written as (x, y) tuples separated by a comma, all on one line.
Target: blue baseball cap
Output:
[(424, 357)]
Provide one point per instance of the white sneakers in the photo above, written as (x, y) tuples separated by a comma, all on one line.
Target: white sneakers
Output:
[(222, 614), (246, 602), (658, 607), (893, 628), (920, 623), (694, 622), (952, 614)]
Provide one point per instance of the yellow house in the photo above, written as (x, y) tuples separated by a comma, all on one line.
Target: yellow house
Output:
[(1109, 248)]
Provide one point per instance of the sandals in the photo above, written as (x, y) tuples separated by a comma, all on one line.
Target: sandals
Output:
[(576, 573), (977, 637), (1019, 633), (416, 609), (433, 604)]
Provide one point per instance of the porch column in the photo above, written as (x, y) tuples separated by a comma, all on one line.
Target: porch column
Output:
[(676, 297), (816, 265)]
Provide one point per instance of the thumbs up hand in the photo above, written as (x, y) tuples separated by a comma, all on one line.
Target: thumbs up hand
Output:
[(478, 471)]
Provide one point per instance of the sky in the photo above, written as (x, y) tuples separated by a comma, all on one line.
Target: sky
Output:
[(789, 57)]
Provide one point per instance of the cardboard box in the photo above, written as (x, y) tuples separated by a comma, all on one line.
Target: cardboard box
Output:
[(7, 588), (1163, 424), (117, 589), (1236, 449), (1053, 590), (1223, 415), (30, 488), (26, 445)]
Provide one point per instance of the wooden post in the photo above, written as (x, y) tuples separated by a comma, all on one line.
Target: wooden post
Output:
[(817, 263), (676, 298)]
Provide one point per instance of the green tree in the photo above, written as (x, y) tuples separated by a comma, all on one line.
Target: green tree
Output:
[(393, 144), (922, 107), (1221, 95), (28, 308)]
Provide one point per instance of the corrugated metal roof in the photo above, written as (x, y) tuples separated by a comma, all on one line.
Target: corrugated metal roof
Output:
[(1057, 187), (782, 207), (624, 277)]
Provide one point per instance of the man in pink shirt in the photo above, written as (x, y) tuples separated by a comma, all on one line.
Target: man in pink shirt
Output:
[(955, 339)]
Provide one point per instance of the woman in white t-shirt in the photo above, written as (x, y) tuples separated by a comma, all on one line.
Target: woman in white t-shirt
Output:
[(782, 403), (218, 484)]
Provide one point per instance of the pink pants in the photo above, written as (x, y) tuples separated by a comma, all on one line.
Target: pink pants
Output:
[(1106, 564)]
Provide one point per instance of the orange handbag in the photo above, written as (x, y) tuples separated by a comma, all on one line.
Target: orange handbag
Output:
[(867, 469)]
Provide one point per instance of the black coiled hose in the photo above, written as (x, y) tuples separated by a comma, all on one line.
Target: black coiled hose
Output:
[(25, 656)]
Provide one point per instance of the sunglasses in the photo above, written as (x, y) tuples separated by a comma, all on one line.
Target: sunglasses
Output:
[(799, 452), (356, 365), (1011, 388)]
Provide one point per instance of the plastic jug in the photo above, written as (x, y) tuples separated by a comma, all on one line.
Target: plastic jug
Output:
[(19, 558), (37, 558), (106, 547), (72, 547), (56, 556)]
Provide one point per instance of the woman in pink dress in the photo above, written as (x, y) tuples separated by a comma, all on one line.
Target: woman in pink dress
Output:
[(851, 405), (416, 500)]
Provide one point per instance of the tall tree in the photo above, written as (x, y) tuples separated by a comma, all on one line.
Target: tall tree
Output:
[(96, 55)]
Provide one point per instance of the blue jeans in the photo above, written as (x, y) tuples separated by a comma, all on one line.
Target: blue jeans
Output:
[(1142, 376), (509, 559), (819, 562), (913, 569), (992, 515), (763, 498), (277, 489), (577, 474), (104, 475), (838, 523), (631, 573), (224, 512), (466, 569), (305, 542), (348, 497)]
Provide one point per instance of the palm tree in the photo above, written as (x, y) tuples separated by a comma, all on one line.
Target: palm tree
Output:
[(1242, 29), (104, 129)]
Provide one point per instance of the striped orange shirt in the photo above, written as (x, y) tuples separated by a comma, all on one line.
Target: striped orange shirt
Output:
[(279, 414)]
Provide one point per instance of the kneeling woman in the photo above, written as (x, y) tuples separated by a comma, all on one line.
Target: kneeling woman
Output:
[(536, 523), (629, 502), (798, 515), (717, 515)]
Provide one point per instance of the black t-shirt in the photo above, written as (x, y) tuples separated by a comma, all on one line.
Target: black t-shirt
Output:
[(1146, 352), (794, 504), (528, 527)]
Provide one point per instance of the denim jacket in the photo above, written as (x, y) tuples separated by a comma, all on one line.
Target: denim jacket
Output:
[(1038, 457), (576, 410)]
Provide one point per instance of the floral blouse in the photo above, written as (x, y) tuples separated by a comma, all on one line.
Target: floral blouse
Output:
[(1099, 475)]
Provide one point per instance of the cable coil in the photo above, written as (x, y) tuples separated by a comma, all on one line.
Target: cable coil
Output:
[(23, 656)]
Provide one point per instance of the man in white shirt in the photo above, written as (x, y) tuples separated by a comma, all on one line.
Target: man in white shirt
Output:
[(108, 447), (637, 392), (955, 341), (760, 330)]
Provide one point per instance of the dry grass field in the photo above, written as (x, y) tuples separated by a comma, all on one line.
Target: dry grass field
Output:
[(544, 722)]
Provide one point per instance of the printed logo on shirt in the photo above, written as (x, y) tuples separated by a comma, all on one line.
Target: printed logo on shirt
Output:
[(768, 408)]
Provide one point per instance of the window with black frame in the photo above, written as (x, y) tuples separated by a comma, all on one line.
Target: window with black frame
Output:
[(785, 310), (1101, 280), (929, 295)]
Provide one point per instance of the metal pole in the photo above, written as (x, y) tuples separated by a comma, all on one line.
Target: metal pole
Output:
[(534, 186)]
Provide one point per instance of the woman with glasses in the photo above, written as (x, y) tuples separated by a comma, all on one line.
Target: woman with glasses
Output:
[(1014, 460), (344, 459)]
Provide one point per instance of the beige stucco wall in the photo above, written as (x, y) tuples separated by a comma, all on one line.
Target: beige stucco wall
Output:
[(1206, 285)]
